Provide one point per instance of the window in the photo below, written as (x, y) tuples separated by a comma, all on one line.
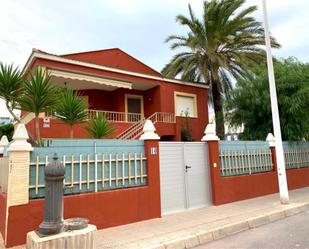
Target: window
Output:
[(185, 103)]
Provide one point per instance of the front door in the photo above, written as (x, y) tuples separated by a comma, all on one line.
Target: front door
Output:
[(134, 108)]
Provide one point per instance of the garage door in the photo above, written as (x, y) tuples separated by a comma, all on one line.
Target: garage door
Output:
[(184, 175)]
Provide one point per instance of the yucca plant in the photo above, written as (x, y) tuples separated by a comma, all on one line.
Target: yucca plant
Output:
[(221, 45), (72, 109), (38, 96), (11, 87), (99, 127)]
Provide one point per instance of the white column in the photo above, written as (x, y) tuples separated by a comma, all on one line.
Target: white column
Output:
[(283, 187), (19, 160), (4, 142)]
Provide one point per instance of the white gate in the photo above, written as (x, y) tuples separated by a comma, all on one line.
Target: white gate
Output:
[(184, 176)]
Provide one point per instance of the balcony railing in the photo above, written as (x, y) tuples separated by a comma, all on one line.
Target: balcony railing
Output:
[(117, 116)]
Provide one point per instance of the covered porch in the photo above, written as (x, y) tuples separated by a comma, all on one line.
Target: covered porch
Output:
[(125, 104)]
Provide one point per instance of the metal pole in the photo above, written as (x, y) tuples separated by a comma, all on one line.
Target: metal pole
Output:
[(283, 188)]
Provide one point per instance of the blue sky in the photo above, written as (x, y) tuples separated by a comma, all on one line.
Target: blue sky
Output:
[(139, 27)]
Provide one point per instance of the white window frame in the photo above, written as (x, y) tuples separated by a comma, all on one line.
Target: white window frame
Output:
[(184, 94)]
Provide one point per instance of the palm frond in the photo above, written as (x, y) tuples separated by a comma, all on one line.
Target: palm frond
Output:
[(71, 109), (99, 127)]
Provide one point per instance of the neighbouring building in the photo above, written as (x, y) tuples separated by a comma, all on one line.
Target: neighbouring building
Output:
[(5, 120), (124, 89)]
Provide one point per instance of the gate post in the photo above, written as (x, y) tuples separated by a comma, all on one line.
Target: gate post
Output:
[(272, 146), (214, 161), (151, 143), (4, 142), (18, 177), (19, 160)]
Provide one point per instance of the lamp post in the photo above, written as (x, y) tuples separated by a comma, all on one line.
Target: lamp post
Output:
[(283, 188)]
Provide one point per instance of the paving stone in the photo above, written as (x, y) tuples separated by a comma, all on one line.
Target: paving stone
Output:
[(291, 211), (236, 227), (205, 237), (258, 221), (191, 241), (175, 244), (277, 215), (219, 233)]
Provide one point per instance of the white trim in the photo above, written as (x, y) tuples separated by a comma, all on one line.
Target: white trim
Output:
[(191, 95), (134, 96), (38, 54)]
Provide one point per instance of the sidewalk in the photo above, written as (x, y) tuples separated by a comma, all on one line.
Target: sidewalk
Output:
[(191, 228)]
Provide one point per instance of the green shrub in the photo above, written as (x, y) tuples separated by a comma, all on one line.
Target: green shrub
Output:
[(99, 127), (7, 130)]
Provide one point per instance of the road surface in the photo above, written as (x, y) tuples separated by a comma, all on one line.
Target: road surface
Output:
[(289, 233)]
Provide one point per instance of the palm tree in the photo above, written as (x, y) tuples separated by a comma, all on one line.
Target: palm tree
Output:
[(99, 127), (221, 46), (38, 96), (11, 82), (71, 109)]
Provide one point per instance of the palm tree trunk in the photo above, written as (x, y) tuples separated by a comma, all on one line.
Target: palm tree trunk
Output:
[(71, 132), (17, 119), (37, 129), (218, 107)]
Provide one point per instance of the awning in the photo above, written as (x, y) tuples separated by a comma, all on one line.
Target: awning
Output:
[(81, 81)]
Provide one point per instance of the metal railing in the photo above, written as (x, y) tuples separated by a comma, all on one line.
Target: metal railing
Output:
[(136, 130), (239, 162), (117, 116), (296, 158), (92, 172)]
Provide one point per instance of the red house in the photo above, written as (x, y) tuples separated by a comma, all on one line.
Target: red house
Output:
[(124, 89)]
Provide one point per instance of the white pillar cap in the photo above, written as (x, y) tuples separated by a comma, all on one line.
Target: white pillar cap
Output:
[(20, 139), (210, 133), (3, 143), (149, 131), (271, 140)]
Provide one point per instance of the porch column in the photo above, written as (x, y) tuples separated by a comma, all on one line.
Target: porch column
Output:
[(151, 143), (214, 161)]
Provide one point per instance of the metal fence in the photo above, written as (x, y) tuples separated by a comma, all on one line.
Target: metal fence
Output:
[(244, 158), (111, 164), (296, 155)]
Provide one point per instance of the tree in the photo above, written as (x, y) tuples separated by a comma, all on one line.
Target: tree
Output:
[(38, 96), (11, 82), (250, 101), (99, 127), (224, 44), (71, 109), (7, 130)]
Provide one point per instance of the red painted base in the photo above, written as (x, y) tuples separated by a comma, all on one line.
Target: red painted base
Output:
[(104, 209), (3, 199)]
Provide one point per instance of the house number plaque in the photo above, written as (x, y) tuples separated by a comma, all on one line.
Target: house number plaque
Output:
[(153, 151)]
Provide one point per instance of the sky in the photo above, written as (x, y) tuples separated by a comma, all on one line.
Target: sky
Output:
[(138, 27)]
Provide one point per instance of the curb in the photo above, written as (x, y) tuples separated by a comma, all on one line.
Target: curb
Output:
[(207, 236)]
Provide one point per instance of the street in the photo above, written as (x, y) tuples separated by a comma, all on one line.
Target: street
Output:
[(292, 232)]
